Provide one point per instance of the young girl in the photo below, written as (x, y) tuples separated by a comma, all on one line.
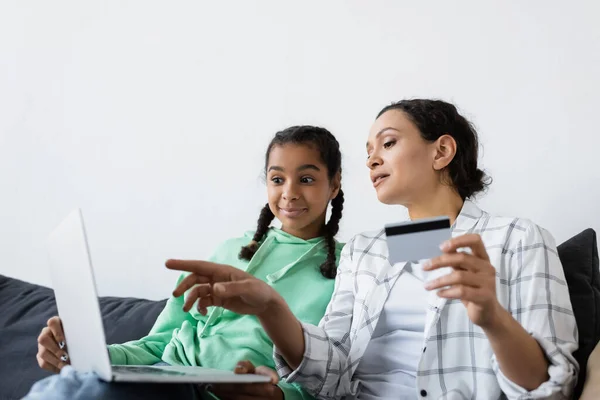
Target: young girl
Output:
[(303, 171), (498, 325)]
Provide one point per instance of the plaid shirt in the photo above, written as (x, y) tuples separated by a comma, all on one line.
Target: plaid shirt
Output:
[(457, 360)]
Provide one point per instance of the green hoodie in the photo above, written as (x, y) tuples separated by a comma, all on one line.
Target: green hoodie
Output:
[(222, 338)]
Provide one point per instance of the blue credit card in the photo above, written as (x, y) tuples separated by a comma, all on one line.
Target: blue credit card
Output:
[(417, 240)]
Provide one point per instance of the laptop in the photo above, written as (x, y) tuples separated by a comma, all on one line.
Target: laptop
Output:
[(79, 310)]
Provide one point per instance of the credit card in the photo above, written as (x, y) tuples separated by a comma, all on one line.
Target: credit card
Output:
[(417, 240)]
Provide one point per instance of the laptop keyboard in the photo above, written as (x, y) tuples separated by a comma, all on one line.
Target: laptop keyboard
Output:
[(141, 369)]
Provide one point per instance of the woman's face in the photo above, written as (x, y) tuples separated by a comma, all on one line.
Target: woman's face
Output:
[(401, 162)]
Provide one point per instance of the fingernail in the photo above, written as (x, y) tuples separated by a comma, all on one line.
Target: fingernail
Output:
[(444, 246), (64, 357), (219, 289), (427, 264), (61, 345)]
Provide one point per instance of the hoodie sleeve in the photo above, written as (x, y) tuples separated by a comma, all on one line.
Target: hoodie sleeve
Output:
[(149, 349)]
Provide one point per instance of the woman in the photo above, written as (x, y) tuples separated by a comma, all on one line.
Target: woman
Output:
[(303, 171), (499, 325)]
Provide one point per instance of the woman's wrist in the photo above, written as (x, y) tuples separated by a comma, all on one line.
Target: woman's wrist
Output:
[(498, 321), (275, 308), (285, 331)]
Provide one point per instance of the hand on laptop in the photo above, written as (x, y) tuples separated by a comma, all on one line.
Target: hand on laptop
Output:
[(222, 286), (52, 347), (268, 391)]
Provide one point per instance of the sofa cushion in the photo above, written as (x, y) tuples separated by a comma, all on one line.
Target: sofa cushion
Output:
[(25, 309), (579, 257)]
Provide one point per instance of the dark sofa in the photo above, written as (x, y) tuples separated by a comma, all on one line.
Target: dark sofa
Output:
[(25, 308)]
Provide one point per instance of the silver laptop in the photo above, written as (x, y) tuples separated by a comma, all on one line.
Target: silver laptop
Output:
[(79, 310)]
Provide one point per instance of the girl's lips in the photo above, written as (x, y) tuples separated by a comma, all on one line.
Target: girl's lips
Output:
[(292, 212)]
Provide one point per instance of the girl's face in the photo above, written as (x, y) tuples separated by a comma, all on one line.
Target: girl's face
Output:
[(402, 163), (299, 189)]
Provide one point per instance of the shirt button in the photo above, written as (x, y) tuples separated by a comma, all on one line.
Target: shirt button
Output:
[(424, 348), (423, 393)]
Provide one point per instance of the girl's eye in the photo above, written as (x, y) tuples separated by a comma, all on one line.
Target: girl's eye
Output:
[(307, 179), (277, 180), (389, 144)]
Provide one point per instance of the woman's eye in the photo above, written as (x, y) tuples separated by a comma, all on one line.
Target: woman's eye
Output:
[(276, 180), (389, 144), (307, 179)]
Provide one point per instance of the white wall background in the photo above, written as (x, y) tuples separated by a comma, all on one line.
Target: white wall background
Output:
[(153, 116)]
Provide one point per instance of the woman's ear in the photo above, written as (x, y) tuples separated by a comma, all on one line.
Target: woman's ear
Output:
[(336, 185), (445, 150)]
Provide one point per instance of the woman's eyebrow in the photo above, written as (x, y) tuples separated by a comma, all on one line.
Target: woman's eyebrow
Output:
[(387, 128)]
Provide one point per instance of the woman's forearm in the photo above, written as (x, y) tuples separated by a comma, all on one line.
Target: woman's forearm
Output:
[(285, 331), (519, 355)]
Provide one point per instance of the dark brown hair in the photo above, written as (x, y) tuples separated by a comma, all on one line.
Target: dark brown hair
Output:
[(435, 118)]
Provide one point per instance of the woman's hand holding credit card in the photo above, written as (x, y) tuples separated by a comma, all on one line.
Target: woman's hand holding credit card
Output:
[(458, 268)]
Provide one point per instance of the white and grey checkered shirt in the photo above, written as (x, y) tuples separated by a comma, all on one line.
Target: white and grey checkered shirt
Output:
[(457, 360)]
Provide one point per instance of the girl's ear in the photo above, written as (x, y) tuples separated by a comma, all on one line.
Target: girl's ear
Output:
[(336, 185)]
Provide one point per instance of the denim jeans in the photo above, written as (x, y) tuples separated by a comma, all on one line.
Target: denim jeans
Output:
[(70, 384)]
